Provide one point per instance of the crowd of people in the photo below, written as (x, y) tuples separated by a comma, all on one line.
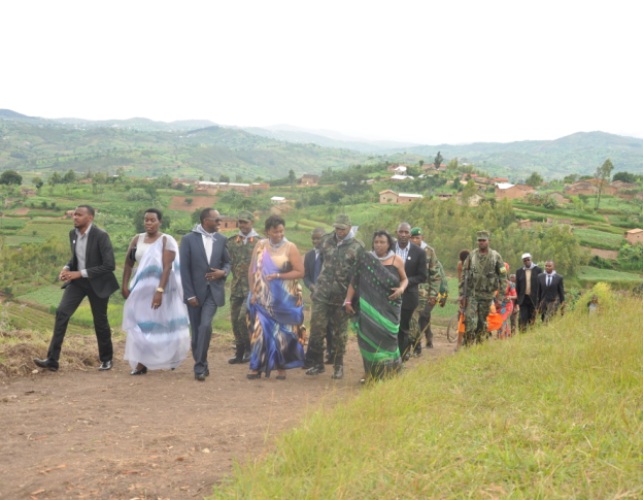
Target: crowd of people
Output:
[(172, 292)]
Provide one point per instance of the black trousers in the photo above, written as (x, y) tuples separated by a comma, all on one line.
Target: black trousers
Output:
[(527, 314), (74, 294), (403, 334)]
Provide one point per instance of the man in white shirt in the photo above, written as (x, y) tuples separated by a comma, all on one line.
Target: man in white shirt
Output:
[(205, 264)]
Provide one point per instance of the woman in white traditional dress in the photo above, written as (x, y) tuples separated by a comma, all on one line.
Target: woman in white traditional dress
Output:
[(155, 316)]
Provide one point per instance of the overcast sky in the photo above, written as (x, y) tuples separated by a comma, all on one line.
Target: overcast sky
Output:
[(421, 71)]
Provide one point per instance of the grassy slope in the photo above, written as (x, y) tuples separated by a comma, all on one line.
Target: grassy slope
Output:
[(552, 414)]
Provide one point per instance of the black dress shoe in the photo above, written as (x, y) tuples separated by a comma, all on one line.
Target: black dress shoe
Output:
[(46, 363), (339, 372), (105, 365), (139, 371), (235, 361), (253, 376), (316, 370), (200, 377)]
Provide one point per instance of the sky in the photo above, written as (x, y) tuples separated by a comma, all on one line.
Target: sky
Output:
[(415, 71)]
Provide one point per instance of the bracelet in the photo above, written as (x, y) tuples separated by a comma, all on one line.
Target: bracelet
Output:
[(159, 289), (347, 302)]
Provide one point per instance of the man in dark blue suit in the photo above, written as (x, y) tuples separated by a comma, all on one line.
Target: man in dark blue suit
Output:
[(312, 267), (551, 292), (205, 264), (415, 267), (89, 273)]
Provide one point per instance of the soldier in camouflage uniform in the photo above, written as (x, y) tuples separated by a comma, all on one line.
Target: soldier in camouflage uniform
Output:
[(429, 291), (341, 253), (483, 281), (240, 248)]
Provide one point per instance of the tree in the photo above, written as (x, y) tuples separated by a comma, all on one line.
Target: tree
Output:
[(534, 180), (11, 177), (69, 177), (291, 177), (469, 190), (603, 174), (438, 160), (38, 182), (55, 178), (625, 177)]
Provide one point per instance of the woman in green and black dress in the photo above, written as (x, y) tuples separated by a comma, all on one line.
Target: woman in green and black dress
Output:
[(374, 297)]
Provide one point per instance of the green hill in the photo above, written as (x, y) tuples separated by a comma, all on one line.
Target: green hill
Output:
[(47, 146), (200, 148)]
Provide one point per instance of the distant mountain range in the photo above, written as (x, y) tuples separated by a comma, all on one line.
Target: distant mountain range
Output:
[(200, 148)]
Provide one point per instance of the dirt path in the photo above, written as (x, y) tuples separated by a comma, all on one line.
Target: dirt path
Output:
[(89, 434)]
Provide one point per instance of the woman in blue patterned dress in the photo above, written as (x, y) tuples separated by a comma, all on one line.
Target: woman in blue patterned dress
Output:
[(275, 305)]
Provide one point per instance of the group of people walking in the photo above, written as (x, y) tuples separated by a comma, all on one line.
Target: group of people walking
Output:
[(169, 290), (173, 292), (484, 287)]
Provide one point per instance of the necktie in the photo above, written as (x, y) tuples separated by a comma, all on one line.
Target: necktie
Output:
[(318, 265), (548, 280)]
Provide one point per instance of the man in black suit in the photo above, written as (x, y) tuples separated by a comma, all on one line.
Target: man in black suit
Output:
[(312, 267), (551, 292), (205, 264), (527, 291), (89, 273), (414, 259)]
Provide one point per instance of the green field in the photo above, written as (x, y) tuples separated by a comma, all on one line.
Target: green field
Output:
[(552, 414), (599, 239), (590, 275)]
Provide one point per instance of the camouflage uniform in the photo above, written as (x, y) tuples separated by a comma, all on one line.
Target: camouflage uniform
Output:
[(241, 256), (425, 307), (482, 276), (339, 264)]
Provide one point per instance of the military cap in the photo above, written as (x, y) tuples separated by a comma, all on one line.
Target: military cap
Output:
[(342, 221), (416, 231), (246, 216), (483, 235)]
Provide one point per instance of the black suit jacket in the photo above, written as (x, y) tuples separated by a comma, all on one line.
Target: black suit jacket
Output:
[(309, 268), (99, 261), (555, 291), (521, 284), (194, 265), (415, 268)]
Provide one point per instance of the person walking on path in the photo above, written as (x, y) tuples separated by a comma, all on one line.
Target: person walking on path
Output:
[(89, 273), (527, 291), (483, 282), (341, 253), (551, 292), (205, 264), (240, 248)]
